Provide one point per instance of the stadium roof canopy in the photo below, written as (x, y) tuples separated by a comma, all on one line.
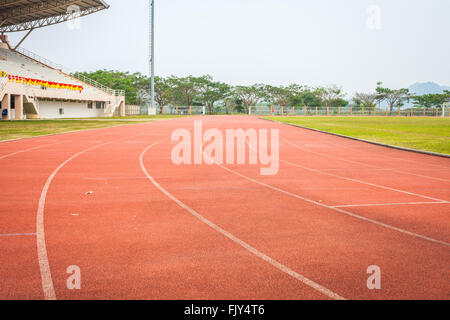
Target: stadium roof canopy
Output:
[(22, 15)]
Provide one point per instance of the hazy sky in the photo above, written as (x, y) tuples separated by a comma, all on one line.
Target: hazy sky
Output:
[(314, 42)]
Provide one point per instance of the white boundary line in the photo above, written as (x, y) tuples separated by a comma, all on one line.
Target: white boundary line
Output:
[(334, 208), (31, 149), (362, 163), (362, 182), (386, 204), (17, 234), (44, 266), (56, 143), (369, 142), (236, 240)]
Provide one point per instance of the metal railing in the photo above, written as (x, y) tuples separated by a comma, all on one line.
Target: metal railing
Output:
[(75, 75), (348, 111), (38, 58), (96, 84)]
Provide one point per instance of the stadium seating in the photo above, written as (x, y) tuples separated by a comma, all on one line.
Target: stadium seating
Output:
[(42, 84), (48, 91)]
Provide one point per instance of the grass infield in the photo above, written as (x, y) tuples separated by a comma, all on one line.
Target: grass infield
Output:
[(427, 134), (10, 130)]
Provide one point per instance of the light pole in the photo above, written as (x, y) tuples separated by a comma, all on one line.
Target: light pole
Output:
[(152, 54)]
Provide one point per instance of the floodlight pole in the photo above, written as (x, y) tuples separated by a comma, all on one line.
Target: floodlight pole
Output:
[(152, 54)]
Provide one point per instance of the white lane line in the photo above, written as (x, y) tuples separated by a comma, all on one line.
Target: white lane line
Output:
[(236, 240), (44, 266), (17, 234), (362, 163), (93, 141), (116, 178), (361, 181), (386, 204), (334, 208), (48, 145), (31, 149), (352, 149), (413, 161)]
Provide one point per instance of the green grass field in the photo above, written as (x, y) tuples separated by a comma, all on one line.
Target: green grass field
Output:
[(127, 118), (428, 134), (32, 128)]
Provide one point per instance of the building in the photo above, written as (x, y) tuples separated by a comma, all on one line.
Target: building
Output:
[(31, 87)]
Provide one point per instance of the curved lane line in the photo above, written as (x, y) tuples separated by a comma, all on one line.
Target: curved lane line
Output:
[(413, 234), (336, 209), (386, 204), (31, 149), (349, 138), (362, 163), (44, 266), (236, 240), (362, 182)]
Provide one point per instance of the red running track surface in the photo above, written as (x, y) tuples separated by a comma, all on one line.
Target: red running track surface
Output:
[(154, 230)]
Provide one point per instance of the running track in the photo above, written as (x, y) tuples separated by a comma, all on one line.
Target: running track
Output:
[(153, 230)]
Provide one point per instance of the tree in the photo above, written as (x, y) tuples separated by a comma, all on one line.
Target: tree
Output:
[(250, 96), (230, 104), (394, 98), (436, 101), (366, 100), (310, 98), (281, 96), (330, 94), (184, 90), (210, 92), (296, 94), (339, 102), (132, 84), (164, 93)]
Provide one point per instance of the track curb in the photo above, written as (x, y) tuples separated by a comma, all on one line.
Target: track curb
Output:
[(366, 141)]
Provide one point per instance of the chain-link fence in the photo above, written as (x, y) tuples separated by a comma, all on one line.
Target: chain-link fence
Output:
[(132, 110), (267, 110), (348, 111)]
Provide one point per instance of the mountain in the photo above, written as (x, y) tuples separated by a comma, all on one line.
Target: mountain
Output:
[(427, 88)]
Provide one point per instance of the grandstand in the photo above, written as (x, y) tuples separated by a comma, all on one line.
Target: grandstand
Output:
[(31, 87)]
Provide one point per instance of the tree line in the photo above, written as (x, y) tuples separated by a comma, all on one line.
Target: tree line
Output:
[(215, 95)]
